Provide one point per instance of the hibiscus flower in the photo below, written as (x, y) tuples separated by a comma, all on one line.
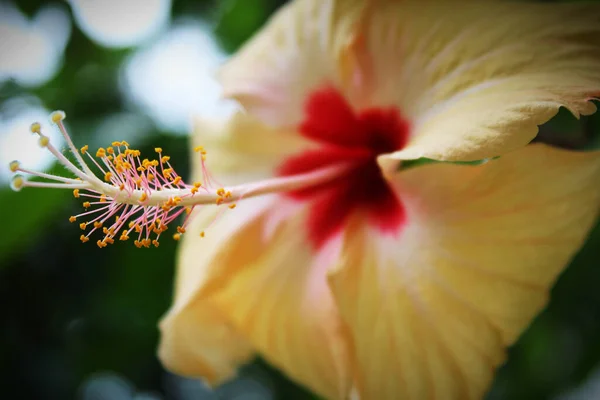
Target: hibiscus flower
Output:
[(329, 252), (386, 281)]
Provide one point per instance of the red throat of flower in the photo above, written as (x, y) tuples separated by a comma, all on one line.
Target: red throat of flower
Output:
[(356, 138)]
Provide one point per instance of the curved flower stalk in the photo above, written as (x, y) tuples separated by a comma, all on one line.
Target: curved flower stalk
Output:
[(386, 282)]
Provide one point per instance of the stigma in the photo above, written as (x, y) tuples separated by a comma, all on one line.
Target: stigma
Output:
[(128, 197)]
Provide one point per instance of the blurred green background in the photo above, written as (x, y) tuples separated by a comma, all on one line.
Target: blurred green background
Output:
[(79, 322)]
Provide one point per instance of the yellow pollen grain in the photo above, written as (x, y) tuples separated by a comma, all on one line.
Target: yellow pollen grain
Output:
[(232, 206), (103, 198), (87, 204), (220, 192), (180, 229), (158, 150), (155, 243), (107, 176), (97, 224), (143, 197), (122, 186), (164, 159), (202, 234), (101, 152), (76, 193), (176, 236), (82, 226), (72, 219), (110, 150), (84, 238), (124, 143), (84, 149)]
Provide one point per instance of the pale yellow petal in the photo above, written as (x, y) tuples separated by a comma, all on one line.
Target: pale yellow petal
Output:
[(301, 48), (279, 299), (254, 283), (477, 78), (433, 310), (197, 339)]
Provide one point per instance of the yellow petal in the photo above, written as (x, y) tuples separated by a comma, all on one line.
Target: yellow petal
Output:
[(477, 78), (197, 339), (300, 49), (253, 283), (279, 299), (432, 311)]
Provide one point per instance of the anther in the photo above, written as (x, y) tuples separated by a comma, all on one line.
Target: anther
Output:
[(14, 166), (17, 183), (36, 128), (44, 140), (57, 116)]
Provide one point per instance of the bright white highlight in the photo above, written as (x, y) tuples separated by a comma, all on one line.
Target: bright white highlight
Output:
[(32, 50), (121, 23), (17, 141), (174, 79)]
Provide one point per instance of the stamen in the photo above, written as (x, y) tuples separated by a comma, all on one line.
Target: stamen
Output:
[(141, 197)]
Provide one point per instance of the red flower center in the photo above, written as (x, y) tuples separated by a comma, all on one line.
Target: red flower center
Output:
[(347, 136)]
